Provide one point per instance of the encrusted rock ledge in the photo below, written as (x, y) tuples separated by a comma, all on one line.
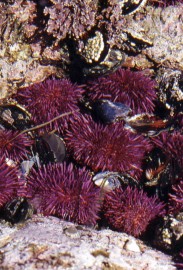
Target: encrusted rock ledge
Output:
[(50, 243)]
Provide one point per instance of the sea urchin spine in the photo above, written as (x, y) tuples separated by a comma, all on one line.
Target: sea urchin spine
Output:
[(131, 210), (8, 182), (49, 99), (134, 89), (108, 147), (66, 192), (13, 145)]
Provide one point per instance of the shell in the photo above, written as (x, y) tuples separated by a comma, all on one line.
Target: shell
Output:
[(110, 180), (109, 112), (147, 124), (17, 210)]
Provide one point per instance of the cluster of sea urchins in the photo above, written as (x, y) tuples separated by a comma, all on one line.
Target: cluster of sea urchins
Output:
[(66, 188)]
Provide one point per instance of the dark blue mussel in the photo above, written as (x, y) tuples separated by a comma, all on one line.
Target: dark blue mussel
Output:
[(107, 112), (17, 210), (50, 148)]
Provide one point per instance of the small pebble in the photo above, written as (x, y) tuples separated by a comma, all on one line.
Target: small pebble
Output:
[(131, 245), (71, 232)]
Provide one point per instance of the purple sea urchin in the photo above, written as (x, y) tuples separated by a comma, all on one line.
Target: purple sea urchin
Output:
[(179, 261), (131, 210), (131, 88), (108, 147), (8, 182), (176, 198), (49, 99), (12, 146), (172, 145), (66, 192)]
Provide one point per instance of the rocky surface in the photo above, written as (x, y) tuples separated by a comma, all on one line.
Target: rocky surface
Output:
[(163, 28), (50, 243), (26, 58)]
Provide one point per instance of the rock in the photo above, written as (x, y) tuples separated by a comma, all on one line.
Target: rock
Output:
[(131, 245), (48, 243), (163, 27)]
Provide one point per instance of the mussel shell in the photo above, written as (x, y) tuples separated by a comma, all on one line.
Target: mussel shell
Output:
[(15, 117), (27, 165), (131, 6), (57, 146), (147, 124), (50, 148), (108, 112), (17, 210), (170, 90), (169, 234), (112, 61)]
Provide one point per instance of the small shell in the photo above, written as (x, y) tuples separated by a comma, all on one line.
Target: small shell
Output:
[(107, 180), (112, 61), (110, 180), (97, 57), (131, 245), (147, 124)]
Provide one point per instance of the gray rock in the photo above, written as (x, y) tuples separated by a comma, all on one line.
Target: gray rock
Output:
[(50, 243), (163, 28)]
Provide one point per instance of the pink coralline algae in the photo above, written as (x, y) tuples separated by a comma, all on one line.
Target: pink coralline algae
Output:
[(71, 18), (131, 88), (13, 145), (8, 182), (49, 99), (131, 210), (109, 147), (65, 191), (28, 8)]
